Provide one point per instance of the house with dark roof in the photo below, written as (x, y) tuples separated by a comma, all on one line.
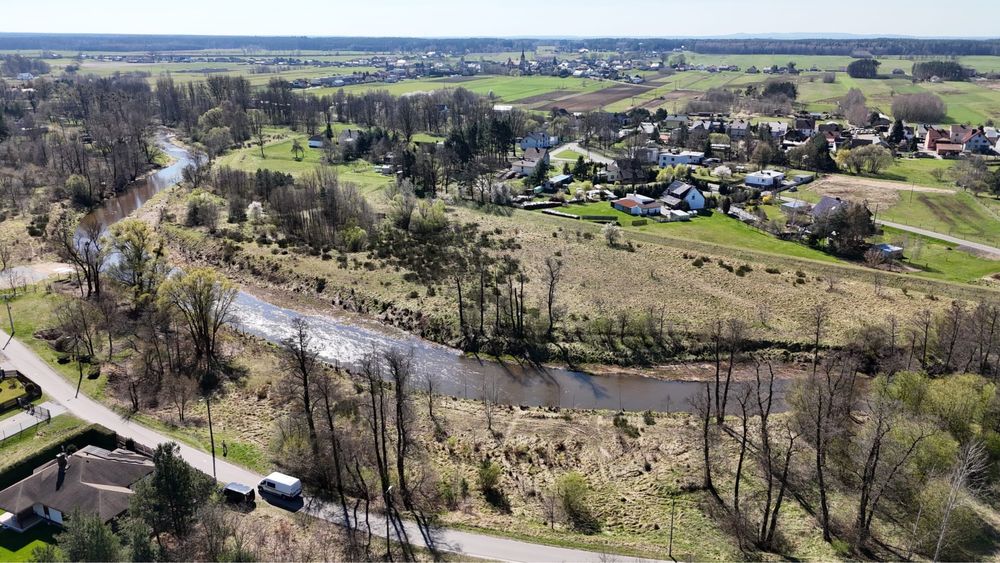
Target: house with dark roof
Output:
[(683, 196), (92, 480), (826, 205), (526, 165), (349, 136)]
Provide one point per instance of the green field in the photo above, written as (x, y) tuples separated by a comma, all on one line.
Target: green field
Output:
[(502, 88), (918, 171), (278, 157), (16, 546), (938, 259)]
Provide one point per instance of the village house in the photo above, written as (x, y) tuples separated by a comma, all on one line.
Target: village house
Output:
[(806, 126), (349, 136), (682, 196), (92, 480), (738, 129), (317, 141), (972, 140), (668, 158), (778, 129), (826, 205), (529, 161), (640, 205), (764, 178), (538, 140)]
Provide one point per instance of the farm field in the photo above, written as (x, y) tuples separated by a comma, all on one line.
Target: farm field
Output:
[(503, 88)]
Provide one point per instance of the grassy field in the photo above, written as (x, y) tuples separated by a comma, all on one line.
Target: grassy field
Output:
[(279, 157), (938, 259), (919, 171), (41, 436), (502, 88)]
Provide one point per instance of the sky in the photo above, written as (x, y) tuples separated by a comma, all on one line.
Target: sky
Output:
[(538, 18)]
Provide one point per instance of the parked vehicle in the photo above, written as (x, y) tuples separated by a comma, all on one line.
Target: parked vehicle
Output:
[(238, 493), (284, 486)]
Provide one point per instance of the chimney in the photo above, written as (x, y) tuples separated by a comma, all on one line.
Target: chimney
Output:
[(62, 461)]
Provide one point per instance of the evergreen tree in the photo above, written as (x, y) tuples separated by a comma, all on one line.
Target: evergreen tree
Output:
[(169, 499), (86, 538)]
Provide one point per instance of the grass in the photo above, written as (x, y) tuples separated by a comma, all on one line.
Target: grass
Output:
[(716, 229), (39, 437), (16, 546), (11, 389), (501, 88), (241, 452), (918, 171), (938, 259), (569, 155), (278, 157), (959, 215), (35, 311)]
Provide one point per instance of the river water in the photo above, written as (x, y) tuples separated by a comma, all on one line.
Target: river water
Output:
[(345, 342)]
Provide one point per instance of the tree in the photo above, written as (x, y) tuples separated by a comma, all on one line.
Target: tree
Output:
[(169, 499), (923, 107), (87, 538), (204, 300), (141, 263), (973, 460), (863, 68), (137, 540), (297, 151), (257, 121), (553, 275), (299, 362), (216, 141), (612, 234)]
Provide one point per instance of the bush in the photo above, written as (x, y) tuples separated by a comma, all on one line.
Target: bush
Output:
[(490, 474), (622, 423), (573, 490), (772, 270), (202, 210), (648, 418)]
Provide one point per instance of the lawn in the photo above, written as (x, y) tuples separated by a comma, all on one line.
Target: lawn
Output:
[(938, 259), (957, 214), (16, 546), (279, 157), (501, 88), (33, 312), (716, 229), (569, 155), (919, 171), (38, 438), (11, 389)]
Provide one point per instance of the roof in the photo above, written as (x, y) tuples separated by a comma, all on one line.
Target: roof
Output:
[(826, 205), (282, 479), (239, 488), (949, 147), (679, 189), (561, 178), (535, 154), (626, 202), (671, 201), (95, 481), (795, 204), (766, 174)]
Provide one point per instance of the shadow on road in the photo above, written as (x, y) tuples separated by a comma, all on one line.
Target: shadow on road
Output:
[(291, 505)]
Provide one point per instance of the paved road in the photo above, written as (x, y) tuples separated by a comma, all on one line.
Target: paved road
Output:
[(465, 543), (575, 147), (932, 234), (947, 238)]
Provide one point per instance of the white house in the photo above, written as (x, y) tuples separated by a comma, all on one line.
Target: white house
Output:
[(764, 178), (635, 204), (526, 165), (316, 141), (25, 76), (683, 196), (668, 158), (971, 139), (539, 140)]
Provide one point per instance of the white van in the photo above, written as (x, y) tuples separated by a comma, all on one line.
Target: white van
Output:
[(284, 486)]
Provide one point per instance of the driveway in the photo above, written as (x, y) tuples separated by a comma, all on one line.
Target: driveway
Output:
[(464, 543), (575, 147)]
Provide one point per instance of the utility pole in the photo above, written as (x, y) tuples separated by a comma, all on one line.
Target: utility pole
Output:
[(79, 366), (670, 546), (10, 317)]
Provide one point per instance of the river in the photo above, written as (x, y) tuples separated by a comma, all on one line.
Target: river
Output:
[(345, 342)]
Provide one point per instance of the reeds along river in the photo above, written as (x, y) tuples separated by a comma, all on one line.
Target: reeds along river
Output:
[(346, 342)]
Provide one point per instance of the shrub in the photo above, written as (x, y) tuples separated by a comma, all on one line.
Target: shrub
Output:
[(772, 270), (648, 418), (622, 423), (743, 270), (698, 263), (573, 490)]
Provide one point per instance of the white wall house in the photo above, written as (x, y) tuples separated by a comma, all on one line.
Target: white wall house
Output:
[(686, 157), (764, 178)]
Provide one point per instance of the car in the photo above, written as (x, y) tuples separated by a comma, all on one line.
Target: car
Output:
[(284, 486), (238, 493)]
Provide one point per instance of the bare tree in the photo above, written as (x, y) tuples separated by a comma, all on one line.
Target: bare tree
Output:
[(553, 275), (973, 460), (491, 400), (299, 363)]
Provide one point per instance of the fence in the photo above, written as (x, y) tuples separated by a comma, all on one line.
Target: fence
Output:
[(31, 417)]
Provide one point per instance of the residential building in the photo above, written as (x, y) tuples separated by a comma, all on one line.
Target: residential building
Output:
[(778, 129), (349, 136), (764, 178), (538, 140), (806, 126), (526, 165), (682, 196), (738, 129), (972, 139), (668, 158), (640, 205), (92, 480), (826, 205), (316, 141)]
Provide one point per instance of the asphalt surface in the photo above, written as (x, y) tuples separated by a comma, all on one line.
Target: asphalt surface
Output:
[(456, 541)]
